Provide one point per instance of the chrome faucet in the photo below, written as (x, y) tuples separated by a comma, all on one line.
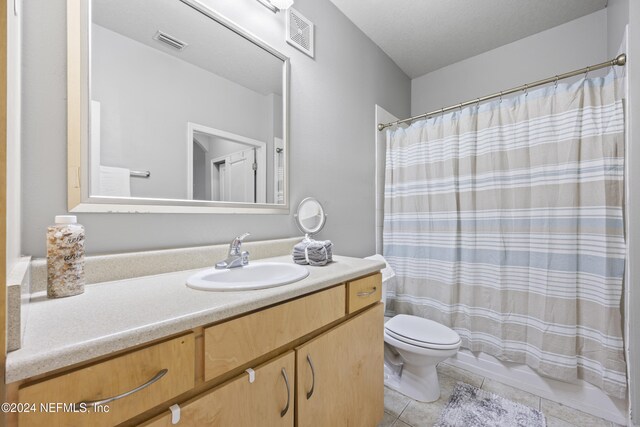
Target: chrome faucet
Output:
[(235, 258)]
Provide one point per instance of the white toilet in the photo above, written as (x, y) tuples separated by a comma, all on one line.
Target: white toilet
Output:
[(413, 348)]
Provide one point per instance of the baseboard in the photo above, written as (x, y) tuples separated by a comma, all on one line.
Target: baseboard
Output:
[(583, 396)]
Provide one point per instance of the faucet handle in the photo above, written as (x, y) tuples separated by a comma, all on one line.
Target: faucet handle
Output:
[(241, 238), (234, 248), (237, 242), (244, 257)]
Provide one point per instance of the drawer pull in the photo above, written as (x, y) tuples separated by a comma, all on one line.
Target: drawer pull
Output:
[(313, 377), (366, 294), (286, 382), (94, 403)]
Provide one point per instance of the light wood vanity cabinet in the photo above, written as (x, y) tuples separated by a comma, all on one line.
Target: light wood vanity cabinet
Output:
[(340, 374), (238, 341), (112, 378), (318, 361), (268, 401), (363, 292)]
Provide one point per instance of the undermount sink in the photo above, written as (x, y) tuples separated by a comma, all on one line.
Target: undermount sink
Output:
[(258, 275)]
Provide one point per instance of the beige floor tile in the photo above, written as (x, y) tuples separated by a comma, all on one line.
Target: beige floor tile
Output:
[(557, 422), (394, 402), (570, 415), (511, 393), (388, 420), (420, 414), (460, 374), (447, 385)]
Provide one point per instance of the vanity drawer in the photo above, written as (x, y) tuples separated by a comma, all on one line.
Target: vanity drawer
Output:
[(111, 378), (363, 292), (267, 401), (231, 344)]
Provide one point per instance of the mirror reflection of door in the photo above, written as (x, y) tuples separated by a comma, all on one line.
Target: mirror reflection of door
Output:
[(278, 176), (226, 167), (233, 178)]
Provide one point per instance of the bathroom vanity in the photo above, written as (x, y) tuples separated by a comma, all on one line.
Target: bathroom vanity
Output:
[(308, 353)]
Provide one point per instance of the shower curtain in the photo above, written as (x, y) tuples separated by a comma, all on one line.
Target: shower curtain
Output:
[(505, 222)]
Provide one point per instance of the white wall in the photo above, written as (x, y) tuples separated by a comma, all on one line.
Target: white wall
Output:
[(566, 47), (147, 97), (633, 205), (617, 20), (331, 155), (14, 17)]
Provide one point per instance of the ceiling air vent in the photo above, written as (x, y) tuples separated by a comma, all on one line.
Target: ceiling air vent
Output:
[(299, 32), (169, 40)]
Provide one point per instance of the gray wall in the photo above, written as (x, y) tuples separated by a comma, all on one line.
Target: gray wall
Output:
[(575, 44), (332, 133), (14, 24), (146, 99), (199, 173), (617, 19)]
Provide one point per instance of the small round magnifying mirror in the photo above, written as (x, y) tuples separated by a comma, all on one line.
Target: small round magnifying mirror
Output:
[(310, 217)]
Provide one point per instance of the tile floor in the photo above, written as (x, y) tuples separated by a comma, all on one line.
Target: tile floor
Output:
[(401, 411)]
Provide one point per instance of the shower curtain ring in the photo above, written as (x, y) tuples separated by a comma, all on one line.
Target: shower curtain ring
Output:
[(555, 83), (500, 97), (586, 74), (526, 90)]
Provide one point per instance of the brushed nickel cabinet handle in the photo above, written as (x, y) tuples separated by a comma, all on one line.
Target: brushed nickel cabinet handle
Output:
[(366, 294), (286, 382), (313, 377), (94, 403)]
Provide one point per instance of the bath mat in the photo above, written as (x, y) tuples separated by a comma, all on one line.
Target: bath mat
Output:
[(471, 407)]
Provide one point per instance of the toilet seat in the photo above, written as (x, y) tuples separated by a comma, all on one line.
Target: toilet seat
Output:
[(422, 332)]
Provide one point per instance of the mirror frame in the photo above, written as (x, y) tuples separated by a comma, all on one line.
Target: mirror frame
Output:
[(78, 127)]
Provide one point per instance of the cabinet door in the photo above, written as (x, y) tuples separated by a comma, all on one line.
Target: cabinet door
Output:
[(340, 374), (268, 401)]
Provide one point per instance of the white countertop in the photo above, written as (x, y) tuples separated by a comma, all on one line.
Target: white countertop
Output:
[(113, 316)]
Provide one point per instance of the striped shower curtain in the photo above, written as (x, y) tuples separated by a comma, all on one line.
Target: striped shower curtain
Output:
[(505, 222)]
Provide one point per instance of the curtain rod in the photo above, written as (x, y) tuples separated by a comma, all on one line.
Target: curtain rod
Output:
[(618, 60)]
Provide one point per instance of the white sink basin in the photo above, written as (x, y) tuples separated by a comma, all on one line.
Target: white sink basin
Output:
[(258, 275)]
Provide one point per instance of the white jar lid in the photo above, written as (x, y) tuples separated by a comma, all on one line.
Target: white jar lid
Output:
[(66, 219)]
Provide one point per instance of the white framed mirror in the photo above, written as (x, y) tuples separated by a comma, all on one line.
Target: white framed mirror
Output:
[(173, 108)]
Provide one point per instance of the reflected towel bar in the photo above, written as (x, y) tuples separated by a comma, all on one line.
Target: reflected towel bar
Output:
[(140, 174)]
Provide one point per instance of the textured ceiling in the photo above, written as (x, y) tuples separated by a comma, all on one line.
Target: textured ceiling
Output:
[(211, 46), (424, 35)]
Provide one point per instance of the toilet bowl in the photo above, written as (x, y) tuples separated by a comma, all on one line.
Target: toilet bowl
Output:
[(413, 348), (417, 345)]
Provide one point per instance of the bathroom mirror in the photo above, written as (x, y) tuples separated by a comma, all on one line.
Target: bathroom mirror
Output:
[(310, 216), (173, 108)]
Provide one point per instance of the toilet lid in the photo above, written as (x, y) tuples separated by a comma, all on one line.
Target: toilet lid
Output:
[(420, 331)]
